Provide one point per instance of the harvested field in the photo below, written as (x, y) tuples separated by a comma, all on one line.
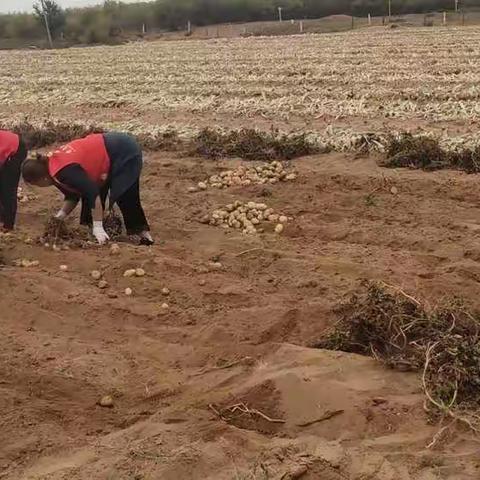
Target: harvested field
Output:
[(196, 358)]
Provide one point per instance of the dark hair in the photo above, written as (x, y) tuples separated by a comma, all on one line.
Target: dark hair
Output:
[(35, 168)]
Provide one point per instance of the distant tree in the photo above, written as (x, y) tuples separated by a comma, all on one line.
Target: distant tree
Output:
[(55, 15)]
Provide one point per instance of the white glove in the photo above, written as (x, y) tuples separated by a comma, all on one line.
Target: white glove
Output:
[(99, 233), (61, 215)]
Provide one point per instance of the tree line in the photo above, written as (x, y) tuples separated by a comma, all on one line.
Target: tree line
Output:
[(112, 19)]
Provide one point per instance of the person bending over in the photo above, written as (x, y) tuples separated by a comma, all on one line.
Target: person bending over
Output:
[(90, 169)]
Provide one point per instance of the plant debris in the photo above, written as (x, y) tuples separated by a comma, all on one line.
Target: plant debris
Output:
[(251, 144), (421, 152), (113, 225), (58, 232), (399, 331)]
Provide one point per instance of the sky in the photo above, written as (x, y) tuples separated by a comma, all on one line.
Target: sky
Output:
[(26, 5)]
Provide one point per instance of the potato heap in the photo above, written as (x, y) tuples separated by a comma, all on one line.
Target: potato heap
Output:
[(266, 173), (247, 217)]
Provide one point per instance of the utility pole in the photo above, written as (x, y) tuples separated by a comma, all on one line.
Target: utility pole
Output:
[(456, 6), (389, 10), (47, 26), (280, 14)]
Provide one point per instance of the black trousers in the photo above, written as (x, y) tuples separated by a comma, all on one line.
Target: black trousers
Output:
[(9, 179), (129, 204)]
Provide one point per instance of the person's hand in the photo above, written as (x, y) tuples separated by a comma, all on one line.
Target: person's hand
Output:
[(99, 233)]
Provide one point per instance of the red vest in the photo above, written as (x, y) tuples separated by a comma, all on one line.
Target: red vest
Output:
[(89, 152), (9, 143)]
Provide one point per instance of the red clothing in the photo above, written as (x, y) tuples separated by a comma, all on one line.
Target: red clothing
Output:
[(89, 152), (9, 143)]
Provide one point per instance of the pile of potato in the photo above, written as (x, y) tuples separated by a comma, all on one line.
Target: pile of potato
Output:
[(266, 173), (247, 217)]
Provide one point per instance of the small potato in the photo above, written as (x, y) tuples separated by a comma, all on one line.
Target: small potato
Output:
[(128, 292), (255, 221), (165, 291), (202, 185), (63, 268), (291, 176), (106, 401), (283, 219), (192, 189), (102, 284), (273, 218), (114, 249), (139, 272), (279, 228), (96, 275), (131, 272), (165, 306)]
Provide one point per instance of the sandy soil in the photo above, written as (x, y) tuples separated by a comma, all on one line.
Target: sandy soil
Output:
[(65, 343)]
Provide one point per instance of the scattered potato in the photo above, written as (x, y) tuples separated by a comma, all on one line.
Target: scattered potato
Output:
[(279, 228), (165, 291), (128, 291), (282, 219), (106, 401), (202, 185), (63, 268), (114, 249), (165, 306), (96, 275), (131, 272), (102, 284), (25, 263), (139, 272)]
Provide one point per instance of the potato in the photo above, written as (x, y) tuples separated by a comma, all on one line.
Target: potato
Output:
[(106, 401), (283, 219), (131, 272), (139, 272), (291, 176), (102, 284), (128, 292), (202, 185), (96, 275), (273, 218), (114, 249), (165, 291), (165, 306), (63, 268), (279, 228)]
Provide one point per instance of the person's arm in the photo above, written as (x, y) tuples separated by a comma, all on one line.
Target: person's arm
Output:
[(9, 190), (68, 207), (75, 177)]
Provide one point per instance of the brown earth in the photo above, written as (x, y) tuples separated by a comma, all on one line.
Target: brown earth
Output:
[(196, 386)]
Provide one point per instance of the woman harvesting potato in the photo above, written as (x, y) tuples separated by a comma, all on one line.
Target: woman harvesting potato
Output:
[(12, 154), (89, 169)]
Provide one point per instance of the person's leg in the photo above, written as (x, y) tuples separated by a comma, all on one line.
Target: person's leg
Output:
[(133, 214), (9, 179), (86, 215)]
